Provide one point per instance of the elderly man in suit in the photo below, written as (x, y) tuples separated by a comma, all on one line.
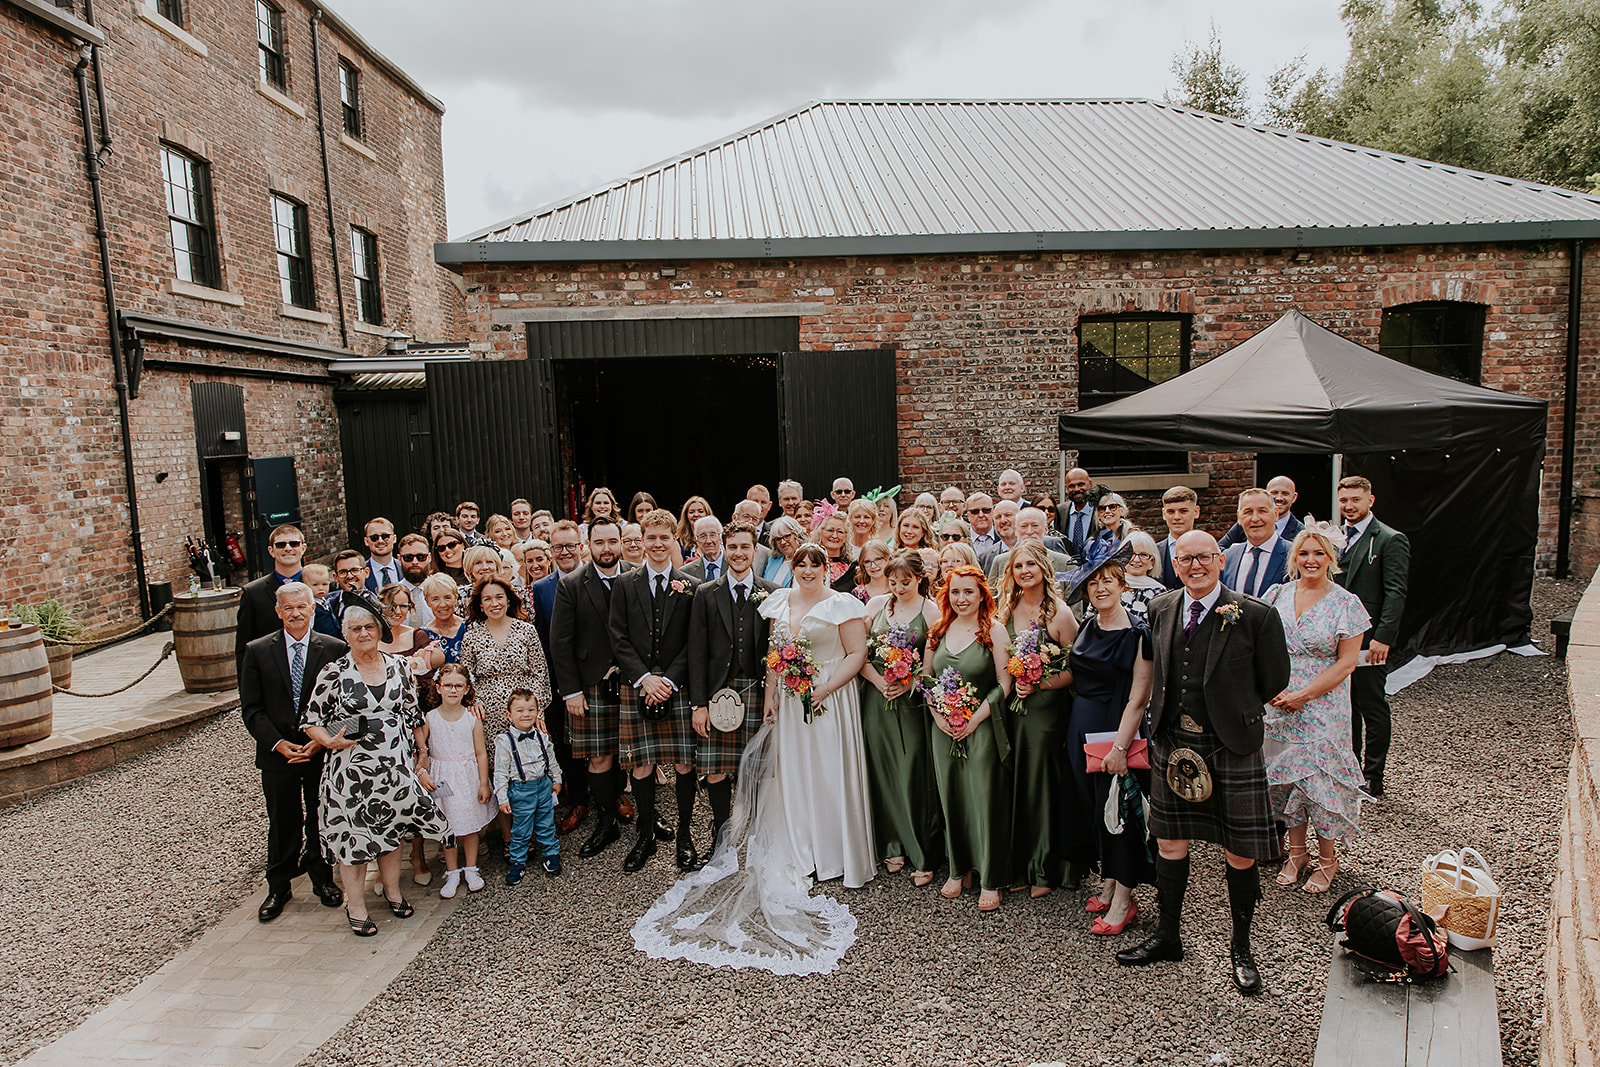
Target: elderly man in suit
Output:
[(650, 638), (257, 614), (1376, 566), (727, 650), (708, 564), (1283, 495), (1219, 657), (276, 679), (1257, 563)]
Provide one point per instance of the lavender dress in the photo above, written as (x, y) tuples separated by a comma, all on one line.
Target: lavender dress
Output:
[(1311, 771)]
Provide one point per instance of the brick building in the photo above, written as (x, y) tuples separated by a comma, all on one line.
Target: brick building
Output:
[(1009, 261), (250, 247)]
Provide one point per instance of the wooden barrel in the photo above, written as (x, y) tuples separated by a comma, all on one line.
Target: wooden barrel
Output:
[(202, 633), (26, 705), (60, 664)]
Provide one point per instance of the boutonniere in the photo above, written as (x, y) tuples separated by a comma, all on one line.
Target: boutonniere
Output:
[(759, 595), (1231, 613), (678, 586)]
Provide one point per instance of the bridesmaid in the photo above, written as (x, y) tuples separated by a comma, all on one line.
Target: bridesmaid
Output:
[(905, 805), (1039, 802), (1112, 674), (975, 789)]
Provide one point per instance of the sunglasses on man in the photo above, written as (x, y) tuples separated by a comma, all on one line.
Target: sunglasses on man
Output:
[(287, 544), (413, 557)]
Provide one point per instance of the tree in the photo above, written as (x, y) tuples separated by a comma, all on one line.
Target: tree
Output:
[(1208, 81), (1552, 52)]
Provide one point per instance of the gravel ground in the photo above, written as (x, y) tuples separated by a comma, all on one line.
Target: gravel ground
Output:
[(176, 841), (108, 877)]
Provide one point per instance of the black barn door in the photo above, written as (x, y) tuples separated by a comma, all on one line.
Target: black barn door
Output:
[(493, 433), (839, 418)]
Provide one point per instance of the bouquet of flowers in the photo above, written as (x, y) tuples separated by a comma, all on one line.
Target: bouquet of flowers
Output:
[(951, 696), (1032, 658), (796, 666), (897, 654)]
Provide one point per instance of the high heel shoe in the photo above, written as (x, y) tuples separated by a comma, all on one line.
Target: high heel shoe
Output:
[(1322, 878), (1293, 867), (1102, 928), (361, 927), (401, 909), (1096, 906), (921, 878), (989, 900), (956, 886), (894, 864)]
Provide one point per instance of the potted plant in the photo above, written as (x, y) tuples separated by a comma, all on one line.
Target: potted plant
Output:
[(56, 623)]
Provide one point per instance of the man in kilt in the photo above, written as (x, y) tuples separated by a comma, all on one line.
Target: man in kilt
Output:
[(650, 638), (1219, 657), (727, 649), (585, 670)]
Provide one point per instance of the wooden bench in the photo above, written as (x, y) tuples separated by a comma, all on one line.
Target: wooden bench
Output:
[(1561, 626), (1448, 1022)]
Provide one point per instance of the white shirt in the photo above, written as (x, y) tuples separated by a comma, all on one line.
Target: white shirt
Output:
[(304, 644), (1207, 602), (653, 574), (982, 541), (749, 584)]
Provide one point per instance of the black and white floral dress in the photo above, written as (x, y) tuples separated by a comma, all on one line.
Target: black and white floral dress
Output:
[(371, 799)]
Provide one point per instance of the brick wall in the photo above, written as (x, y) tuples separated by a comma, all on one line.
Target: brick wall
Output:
[(65, 510), (988, 349)]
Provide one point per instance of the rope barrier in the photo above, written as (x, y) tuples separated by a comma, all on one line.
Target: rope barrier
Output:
[(165, 652), (96, 642)]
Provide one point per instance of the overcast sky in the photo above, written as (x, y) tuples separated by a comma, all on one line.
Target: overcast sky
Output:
[(548, 100)]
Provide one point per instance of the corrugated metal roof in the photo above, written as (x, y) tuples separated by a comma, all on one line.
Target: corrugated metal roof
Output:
[(866, 172), (415, 379)]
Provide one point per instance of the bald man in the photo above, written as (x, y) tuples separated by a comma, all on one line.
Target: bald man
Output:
[(1077, 511)]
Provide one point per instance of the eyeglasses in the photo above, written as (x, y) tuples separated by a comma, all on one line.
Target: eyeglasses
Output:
[(287, 544), (397, 609), (1142, 555), (348, 573), (380, 537), (559, 549), (1201, 558), (413, 557), (979, 511)]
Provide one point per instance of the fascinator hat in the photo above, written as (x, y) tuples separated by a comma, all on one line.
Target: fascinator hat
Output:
[(1330, 532), (878, 493), (1096, 555), (367, 602)]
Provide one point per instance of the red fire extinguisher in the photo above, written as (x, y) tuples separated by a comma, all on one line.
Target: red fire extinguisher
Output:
[(235, 553)]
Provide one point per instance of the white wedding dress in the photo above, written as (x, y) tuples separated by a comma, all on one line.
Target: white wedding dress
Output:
[(801, 808)]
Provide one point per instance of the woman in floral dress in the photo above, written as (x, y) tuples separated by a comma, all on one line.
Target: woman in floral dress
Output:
[(1312, 773)]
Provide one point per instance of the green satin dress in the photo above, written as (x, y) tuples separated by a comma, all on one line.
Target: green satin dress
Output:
[(1042, 790), (905, 803), (975, 791)]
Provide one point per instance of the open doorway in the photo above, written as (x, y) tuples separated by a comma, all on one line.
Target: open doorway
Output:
[(673, 426), (1312, 474)]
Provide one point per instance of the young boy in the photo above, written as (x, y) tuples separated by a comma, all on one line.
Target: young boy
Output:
[(526, 779)]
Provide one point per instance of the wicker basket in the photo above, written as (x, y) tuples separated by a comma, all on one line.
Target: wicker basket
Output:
[(1468, 894)]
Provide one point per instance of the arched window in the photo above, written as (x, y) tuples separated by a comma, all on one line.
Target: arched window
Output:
[(1441, 336)]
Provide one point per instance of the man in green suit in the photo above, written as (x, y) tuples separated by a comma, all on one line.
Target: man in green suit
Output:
[(1376, 566)]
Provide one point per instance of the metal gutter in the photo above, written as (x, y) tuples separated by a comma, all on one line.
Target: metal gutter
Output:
[(180, 330), (239, 372), (455, 254), (327, 182), (1569, 410), (61, 19)]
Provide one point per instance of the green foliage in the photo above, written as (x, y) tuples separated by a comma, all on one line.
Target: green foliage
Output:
[(54, 621), (1209, 82)]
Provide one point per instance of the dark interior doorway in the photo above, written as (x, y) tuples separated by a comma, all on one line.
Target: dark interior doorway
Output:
[(673, 426), (1312, 474)]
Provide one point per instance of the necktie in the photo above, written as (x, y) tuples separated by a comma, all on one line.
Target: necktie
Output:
[(740, 587), (297, 670), (1077, 528), (603, 578), (711, 570), (1349, 539), (661, 584), (1194, 618), (1255, 570)]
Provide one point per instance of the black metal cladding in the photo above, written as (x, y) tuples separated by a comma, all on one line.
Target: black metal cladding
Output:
[(388, 461), (839, 418), (493, 432), (631, 338), (218, 410)]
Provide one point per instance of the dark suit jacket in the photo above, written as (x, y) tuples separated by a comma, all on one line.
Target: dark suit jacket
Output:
[(1235, 533), (632, 635), (271, 712), (543, 598), (1064, 513), (1275, 561), (580, 629), (1168, 576), (258, 614), (711, 637), (1377, 568), (1247, 666)]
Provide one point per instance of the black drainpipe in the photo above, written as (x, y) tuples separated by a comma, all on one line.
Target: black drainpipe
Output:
[(91, 158), (1569, 410), (327, 183)]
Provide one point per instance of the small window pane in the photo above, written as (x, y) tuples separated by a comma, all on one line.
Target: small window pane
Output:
[(1443, 337), (350, 99), (269, 38), (364, 260), (291, 236)]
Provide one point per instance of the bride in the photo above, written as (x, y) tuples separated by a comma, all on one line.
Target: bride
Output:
[(801, 809)]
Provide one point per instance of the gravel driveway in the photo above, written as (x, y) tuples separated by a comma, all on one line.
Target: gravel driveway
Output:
[(119, 872)]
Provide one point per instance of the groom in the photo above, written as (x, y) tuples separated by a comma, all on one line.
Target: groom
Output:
[(727, 647), (1219, 657)]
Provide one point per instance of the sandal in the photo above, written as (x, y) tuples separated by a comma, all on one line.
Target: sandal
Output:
[(989, 900), (921, 878), (1296, 864), (956, 886), (895, 864), (401, 909), (361, 927), (1322, 878)]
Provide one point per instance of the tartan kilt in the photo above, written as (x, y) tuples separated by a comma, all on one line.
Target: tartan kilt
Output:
[(718, 752), (1238, 813), (595, 734), (646, 744)]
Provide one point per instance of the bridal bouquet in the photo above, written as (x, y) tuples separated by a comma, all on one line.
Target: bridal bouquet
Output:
[(1032, 658), (796, 666), (896, 650), (951, 696)]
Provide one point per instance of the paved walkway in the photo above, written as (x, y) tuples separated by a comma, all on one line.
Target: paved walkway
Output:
[(254, 992)]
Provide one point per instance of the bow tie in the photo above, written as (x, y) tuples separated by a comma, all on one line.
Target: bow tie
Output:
[(531, 735)]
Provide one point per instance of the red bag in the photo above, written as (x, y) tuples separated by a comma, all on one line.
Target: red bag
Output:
[(1095, 753), (1385, 928)]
